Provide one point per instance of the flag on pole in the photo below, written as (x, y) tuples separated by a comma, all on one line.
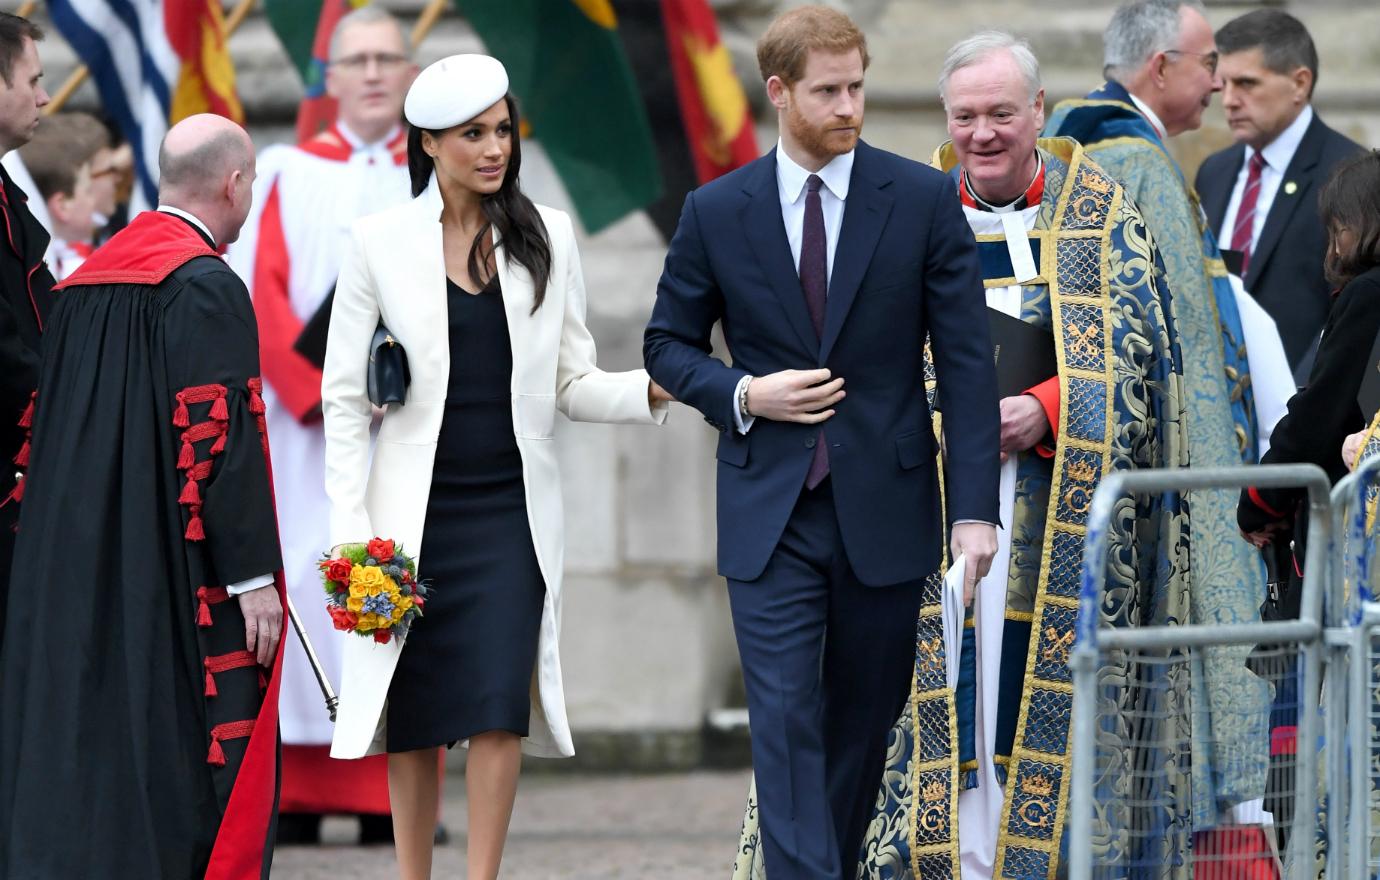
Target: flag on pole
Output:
[(701, 122), (304, 28), (567, 67), (154, 62)]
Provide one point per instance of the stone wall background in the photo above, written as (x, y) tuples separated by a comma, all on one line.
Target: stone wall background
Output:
[(648, 646)]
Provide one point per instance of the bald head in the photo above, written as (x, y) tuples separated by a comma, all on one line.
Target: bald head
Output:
[(199, 151), (205, 167)]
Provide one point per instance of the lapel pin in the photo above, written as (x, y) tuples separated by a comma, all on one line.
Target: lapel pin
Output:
[(1290, 188)]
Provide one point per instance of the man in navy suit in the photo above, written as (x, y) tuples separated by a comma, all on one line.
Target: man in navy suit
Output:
[(1284, 153), (828, 262)]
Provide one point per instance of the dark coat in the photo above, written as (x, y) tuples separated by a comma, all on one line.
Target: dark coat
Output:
[(905, 267), (1285, 274)]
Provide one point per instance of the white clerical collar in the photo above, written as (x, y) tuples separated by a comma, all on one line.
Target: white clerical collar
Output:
[(178, 212), (358, 143), (791, 177), (1149, 114), (1279, 152)]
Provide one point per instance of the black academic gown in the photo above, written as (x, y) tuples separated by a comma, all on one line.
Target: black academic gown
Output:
[(138, 739), (25, 300)]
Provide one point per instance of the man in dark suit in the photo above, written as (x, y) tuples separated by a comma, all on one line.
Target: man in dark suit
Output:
[(1261, 195), (827, 262), (25, 283)]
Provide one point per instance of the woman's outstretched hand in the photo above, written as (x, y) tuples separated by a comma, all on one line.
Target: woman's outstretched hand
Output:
[(656, 395)]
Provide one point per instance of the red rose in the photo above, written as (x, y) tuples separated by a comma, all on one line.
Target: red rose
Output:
[(383, 636), (380, 549), (338, 570), (342, 618), (419, 600)]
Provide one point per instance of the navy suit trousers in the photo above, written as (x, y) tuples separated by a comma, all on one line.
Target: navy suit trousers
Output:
[(827, 662)]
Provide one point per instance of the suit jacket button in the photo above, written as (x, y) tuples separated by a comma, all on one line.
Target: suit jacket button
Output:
[(809, 443)]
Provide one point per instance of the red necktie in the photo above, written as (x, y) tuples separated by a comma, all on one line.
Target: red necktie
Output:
[(814, 281), (1244, 230)]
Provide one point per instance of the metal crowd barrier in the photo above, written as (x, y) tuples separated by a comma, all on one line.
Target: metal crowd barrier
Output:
[(1164, 661), (1352, 709)]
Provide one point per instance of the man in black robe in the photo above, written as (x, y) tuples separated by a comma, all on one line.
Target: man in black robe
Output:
[(25, 283), (138, 737)]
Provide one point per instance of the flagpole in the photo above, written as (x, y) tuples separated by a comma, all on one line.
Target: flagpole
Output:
[(26, 8), (69, 88), (426, 21)]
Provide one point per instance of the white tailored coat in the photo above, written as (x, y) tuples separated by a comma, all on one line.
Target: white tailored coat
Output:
[(395, 269)]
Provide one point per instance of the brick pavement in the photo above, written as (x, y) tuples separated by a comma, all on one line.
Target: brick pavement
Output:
[(572, 827)]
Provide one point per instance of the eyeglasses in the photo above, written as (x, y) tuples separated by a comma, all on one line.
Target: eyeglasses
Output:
[(359, 62), (1209, 59)]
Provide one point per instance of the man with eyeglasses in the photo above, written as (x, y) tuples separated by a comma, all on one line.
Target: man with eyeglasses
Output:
[(1160, 61), (289, 255)]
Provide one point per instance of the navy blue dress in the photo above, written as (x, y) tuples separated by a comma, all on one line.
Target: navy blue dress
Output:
[(467, 665)]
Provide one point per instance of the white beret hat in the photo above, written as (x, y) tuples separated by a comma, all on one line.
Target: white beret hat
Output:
[(455, 90)]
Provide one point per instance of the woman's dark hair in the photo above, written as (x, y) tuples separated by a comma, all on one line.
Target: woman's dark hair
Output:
[(1351, 201), (515, 221)]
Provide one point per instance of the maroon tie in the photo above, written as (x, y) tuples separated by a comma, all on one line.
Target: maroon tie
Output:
[(814, 280), (1244, 230)]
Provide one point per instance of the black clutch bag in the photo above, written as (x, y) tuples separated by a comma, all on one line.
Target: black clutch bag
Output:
[(388, 373)]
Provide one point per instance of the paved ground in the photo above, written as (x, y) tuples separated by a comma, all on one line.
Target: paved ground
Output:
[(664, 827)]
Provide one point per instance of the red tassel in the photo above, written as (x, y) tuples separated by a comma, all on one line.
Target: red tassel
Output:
[(22, 459), (203, 611), (219, 411), (187, 457), (211, 685), (191, 493), (256, 403), (263, 682), (219, 446), (27, 420), (180, 417), (216, 756), (195, 530), (18, 493)]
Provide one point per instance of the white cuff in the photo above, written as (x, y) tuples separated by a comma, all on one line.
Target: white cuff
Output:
[(253, 583), (959, 522), (744, 423)]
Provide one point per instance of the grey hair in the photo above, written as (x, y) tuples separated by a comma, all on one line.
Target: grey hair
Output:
[(370, 14), (204, 166), (971, 50), (1137, 31)]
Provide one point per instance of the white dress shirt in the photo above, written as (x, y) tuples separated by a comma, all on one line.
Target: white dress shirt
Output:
[(262, 580), (790, 187), (1277, 154), (1151, 115)]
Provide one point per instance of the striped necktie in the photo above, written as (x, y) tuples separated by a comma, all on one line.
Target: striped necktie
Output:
[(1243, 233)]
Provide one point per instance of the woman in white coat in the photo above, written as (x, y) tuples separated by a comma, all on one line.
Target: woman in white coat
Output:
[(484, 291)]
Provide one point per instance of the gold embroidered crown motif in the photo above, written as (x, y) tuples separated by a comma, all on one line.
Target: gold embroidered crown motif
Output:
[(933, 791), (1082, 472), (1038, 786)]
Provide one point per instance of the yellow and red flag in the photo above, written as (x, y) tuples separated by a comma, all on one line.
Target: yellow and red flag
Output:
[(206, 80)]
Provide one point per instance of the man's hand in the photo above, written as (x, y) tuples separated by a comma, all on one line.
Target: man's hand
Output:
[(1351, 447), (977, 543), (1023, 424), (263, 623), (1264, 537), (657, 395), (794, 396)]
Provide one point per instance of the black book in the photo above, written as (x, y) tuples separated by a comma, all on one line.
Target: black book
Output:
[(311, 342), (1024, 353), (1368, 397), (1235, 262)]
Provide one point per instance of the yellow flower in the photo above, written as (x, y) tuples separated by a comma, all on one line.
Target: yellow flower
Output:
[(397, 613), (367, 580), (404, 602), (354, 603)]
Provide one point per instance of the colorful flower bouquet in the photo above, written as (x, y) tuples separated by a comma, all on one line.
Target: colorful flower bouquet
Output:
[(372, 590)]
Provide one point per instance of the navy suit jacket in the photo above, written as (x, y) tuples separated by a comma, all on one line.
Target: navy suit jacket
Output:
[(905, 265), (1285, 274)]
